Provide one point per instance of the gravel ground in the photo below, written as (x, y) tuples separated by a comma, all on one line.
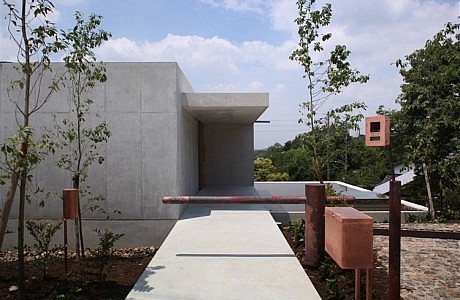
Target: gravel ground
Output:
[(430, 268)]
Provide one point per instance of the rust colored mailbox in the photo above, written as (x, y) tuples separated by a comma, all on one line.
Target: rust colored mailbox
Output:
[(377, 131), (349, 241), (70, 197), (349, 237)]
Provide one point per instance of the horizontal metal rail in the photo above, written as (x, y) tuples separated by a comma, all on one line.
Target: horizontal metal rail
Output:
[(248, 199), (450, 235)]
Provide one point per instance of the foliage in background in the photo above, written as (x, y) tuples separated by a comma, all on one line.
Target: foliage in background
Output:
[(264, 170), (365, 167), (428, 121)]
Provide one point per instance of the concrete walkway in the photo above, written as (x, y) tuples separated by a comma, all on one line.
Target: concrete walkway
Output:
[(224, 253)]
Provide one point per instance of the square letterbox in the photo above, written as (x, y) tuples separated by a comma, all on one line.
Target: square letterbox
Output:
[(349, 237), (377, 131)]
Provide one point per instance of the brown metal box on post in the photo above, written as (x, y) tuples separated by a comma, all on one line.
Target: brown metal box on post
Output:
[(349, 237), (70, 197), (377, 131)]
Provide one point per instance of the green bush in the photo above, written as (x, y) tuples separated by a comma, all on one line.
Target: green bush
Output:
[(43, 233), (105, 250)]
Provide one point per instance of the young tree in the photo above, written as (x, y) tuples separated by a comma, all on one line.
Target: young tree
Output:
[(75, 134), (325, 77), (430, 106), (35, 45)]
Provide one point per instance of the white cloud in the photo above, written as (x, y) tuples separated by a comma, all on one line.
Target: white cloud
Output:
[(68, 2), (256, 86), (238, 5), (8, 48), (282, 14), (215, 54), (223, 88)]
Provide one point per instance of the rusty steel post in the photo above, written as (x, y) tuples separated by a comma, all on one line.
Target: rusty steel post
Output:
[(66, 265), (394, 259), (314, 223)]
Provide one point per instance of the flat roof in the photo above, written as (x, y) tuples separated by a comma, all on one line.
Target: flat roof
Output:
[(225, 108)]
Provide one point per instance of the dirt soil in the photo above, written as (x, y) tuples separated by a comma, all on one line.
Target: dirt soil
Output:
[(82, 281), (332, 282), (125, 267)]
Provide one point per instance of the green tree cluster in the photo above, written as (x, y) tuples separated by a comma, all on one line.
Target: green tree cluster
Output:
[(264, 170), (351, 162), (428, 124)]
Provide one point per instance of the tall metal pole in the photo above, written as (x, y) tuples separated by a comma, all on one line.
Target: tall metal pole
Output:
[(394, 259), (328, 154), (314, 223), (66, 265)]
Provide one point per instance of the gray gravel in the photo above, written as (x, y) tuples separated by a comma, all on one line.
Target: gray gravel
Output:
[(430, 268)]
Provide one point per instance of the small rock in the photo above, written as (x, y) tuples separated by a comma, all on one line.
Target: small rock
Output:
[(13, 288)]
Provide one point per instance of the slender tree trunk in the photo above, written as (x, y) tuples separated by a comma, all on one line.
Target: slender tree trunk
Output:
[(314, 159), (25, 149), (76, 177), (428, 188), (317, 169), (78, 227), (9, 199), (22, 198)]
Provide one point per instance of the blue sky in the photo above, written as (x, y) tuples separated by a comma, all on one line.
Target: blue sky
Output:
[(244, 45)]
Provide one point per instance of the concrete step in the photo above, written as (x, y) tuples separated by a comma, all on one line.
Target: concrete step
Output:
[(224, 253)]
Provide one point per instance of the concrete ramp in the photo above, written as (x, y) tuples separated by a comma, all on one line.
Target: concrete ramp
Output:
[(224, 253)]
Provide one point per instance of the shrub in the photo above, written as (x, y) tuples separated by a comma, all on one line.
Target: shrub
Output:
[(43, 233)]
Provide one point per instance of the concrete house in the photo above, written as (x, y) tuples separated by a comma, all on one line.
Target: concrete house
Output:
[(166, 140)]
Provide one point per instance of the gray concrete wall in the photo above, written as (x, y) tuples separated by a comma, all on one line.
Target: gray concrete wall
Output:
[(152, 151), (187, 156), (227, 159)]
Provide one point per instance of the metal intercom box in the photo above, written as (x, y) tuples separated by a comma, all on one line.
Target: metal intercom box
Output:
[(377, 131)]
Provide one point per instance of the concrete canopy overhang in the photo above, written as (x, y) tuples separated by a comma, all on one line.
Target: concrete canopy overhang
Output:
[(225, 108)]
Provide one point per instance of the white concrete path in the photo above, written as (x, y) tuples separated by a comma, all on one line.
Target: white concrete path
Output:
[(224, 254)]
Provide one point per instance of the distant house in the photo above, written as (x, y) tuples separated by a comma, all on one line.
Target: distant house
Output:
[(402, 173), (166, 140)]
